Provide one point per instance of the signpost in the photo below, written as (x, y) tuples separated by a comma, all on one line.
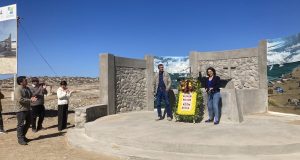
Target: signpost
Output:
[(8, 41)]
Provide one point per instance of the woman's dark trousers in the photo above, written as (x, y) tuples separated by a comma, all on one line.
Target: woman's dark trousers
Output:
[(23, 119), (62, 116)]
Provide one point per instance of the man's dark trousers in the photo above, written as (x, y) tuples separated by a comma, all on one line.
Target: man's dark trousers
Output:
[(62, 116), (23, 124), (1, 122), (37, 111), (163, 95)]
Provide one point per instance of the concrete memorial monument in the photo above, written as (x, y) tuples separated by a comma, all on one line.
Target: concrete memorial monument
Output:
[(127, 86)]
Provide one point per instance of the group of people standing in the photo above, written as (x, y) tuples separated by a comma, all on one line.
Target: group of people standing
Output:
[(29, 103), (162, 83)]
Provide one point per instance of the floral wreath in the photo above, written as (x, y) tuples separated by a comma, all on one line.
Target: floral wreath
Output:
[(188, 85)]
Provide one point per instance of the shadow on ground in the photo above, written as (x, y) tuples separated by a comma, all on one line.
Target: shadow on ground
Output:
[(48, 136), (48, 113)]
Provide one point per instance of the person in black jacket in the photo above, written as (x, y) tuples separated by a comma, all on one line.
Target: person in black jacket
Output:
[(38, 90), (212, 86)]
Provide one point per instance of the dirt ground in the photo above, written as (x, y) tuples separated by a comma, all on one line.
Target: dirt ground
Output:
[(48, 144)]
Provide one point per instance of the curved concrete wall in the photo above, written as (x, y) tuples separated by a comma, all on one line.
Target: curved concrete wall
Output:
[(246, 70)]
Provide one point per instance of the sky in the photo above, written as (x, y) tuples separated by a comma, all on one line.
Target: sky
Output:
[(71, 34)]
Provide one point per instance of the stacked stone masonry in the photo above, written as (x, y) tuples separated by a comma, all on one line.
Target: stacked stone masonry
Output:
[(80, 118), (88, 114), (243, 72), (130, 89)]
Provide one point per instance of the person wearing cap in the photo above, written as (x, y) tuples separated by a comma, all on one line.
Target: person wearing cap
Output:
[(63, 96), (23, 97), (37, 108), (1, 120)]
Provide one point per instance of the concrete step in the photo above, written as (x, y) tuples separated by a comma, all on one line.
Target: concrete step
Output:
[(137, 135), (78, 139)]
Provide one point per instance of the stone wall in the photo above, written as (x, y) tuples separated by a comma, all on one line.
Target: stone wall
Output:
[(88, 114), (130, 89), (125, 83), (243, 72), (245, 68)]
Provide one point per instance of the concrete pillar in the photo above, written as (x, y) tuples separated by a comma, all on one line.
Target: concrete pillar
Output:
[(262, 70), (262, 65), (107, 82), (193, 64), (149, 81)]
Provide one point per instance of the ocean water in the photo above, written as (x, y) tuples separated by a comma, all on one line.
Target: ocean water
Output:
[(277, 71)]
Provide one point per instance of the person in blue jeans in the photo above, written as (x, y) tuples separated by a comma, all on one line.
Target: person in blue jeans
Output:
[(162, 82), (212, 86)]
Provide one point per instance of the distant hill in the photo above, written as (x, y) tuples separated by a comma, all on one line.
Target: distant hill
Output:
[(53, 81)]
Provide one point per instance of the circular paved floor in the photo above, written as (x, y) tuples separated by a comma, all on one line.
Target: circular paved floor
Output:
[(138, 134)]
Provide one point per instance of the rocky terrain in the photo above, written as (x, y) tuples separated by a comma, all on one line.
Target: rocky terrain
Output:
[(279, 102), (87, 91)]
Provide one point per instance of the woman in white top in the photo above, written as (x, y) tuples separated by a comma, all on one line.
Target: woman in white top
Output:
[(63, 96)]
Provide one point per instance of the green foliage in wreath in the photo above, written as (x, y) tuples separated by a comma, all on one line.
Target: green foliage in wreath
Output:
[(188, 85)]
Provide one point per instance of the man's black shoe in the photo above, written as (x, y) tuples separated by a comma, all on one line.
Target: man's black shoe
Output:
[(169, 118), (22, 142), (159, 118), (208, 121), (26, 139), (217, 122)]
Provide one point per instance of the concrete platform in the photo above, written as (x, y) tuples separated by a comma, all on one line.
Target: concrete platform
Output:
[(137, 135)]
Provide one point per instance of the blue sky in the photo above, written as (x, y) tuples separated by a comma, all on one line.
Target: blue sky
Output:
[(72, 33)]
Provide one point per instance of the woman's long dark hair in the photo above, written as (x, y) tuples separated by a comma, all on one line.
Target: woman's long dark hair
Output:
[(212, 69)]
